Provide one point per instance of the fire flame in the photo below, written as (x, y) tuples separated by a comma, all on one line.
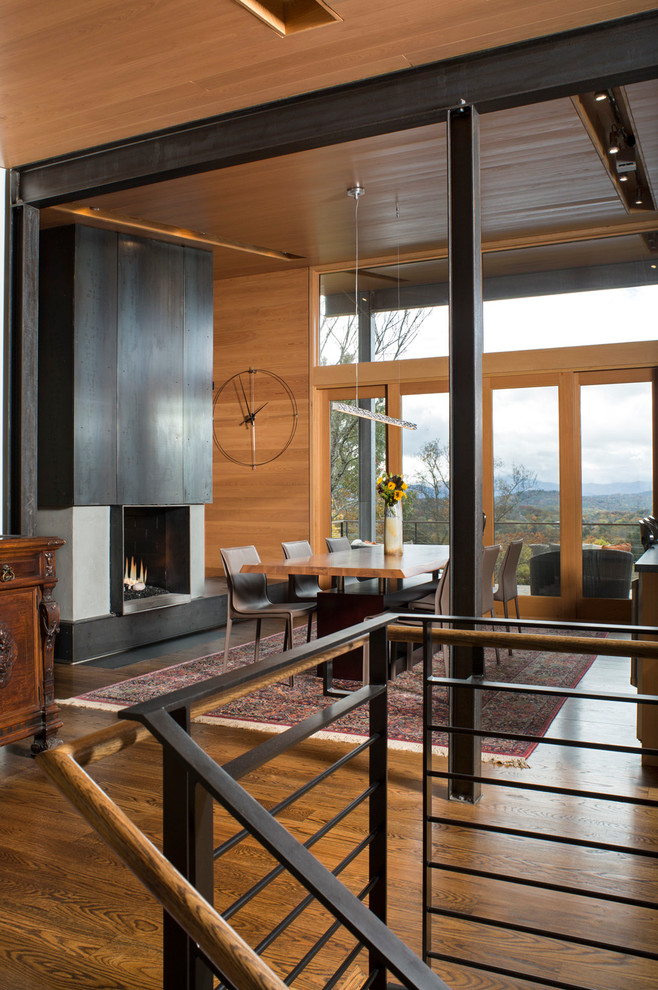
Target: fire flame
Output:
[(130, 578)]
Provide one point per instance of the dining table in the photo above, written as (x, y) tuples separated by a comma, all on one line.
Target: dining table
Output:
[(349, 603)]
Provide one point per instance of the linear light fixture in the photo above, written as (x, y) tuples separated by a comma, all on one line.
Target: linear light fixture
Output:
[(355, 193), (345, 407)]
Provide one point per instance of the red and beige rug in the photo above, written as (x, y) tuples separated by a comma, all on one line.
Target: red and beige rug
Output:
[(276, 707)]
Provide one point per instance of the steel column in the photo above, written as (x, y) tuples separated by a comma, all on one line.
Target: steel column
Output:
[(24, 373), (465, 266), (187, 843)]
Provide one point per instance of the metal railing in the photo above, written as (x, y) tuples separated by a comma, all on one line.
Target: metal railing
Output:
[(201, 945), (605, 948)]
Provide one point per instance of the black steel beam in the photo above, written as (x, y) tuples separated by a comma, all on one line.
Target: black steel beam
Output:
[(24, 363), (609, 54), (465, 265)]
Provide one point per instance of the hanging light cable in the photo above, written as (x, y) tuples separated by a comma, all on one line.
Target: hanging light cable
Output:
[(356, 192)]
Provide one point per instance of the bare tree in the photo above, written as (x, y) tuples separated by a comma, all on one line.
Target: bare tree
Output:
[(393, 331), (434, 477), (511, 489)]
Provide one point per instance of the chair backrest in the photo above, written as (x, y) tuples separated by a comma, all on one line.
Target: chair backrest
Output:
[(246, 591), (507, 574), (607, 573), (336, 543), (545, 573), (304, 584), (489, 558), (442, 593)]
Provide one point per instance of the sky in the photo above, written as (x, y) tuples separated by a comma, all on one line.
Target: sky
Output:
[(615, 419)]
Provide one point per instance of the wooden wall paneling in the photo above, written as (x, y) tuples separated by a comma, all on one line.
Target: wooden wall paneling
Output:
[(150, 375), (197, 378), (262, 321), (95, 375)]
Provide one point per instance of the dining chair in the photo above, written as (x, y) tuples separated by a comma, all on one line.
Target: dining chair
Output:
[(489, 557), (507, 589), (248, 599), (334, 545), (439, 604), (305, 586)]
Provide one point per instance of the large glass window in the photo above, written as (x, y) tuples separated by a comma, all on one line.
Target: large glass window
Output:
[(527, 482), (358, 457), (426, 468), (616, 483), (570, 319)]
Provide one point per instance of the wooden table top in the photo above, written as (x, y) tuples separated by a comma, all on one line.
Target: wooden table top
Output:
[(363, 561)]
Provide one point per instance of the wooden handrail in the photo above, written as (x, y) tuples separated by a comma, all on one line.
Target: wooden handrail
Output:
[(224, 697), (399, 633), (232, 956)]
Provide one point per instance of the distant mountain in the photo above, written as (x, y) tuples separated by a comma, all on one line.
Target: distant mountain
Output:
[(619, 487), (612, 488)]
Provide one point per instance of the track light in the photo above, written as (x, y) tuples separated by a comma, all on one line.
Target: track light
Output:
[(614, 141)]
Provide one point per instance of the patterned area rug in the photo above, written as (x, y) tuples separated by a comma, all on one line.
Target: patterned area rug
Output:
[(276, 707)]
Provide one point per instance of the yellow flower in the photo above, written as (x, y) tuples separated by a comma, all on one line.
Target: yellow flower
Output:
[(379, 481), (404, 486), (398, 496), (391, 486)]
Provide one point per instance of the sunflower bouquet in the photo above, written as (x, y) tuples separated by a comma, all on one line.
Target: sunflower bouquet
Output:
[(391, 487)]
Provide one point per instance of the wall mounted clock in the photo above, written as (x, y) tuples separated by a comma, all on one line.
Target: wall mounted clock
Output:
[(255, 417)]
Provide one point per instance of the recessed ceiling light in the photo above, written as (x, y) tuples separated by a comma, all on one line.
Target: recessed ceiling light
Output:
[(623, 178), (601, 95)]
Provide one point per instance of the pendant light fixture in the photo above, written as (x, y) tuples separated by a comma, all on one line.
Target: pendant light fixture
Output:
[(356, 192)]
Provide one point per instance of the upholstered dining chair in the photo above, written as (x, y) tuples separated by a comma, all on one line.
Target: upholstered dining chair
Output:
[(334, 545), (507, 589), (248, 599), (489, 557), (306, 586), (439, 604)]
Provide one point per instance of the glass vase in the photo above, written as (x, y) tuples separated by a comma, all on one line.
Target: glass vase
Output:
[(393, 529)]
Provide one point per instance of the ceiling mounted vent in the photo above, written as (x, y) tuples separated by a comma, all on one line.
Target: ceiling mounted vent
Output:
[(290, 16)]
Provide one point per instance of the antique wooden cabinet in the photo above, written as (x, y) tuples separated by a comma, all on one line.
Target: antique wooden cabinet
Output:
[(29, 618)]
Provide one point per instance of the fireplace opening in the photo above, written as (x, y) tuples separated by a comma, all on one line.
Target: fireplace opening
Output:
[(153, 569)]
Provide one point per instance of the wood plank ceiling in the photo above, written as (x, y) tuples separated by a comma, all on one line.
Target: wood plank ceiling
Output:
[(74, 75)]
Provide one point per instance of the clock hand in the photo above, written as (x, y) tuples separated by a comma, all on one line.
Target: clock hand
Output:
[(245, 401), (255, 413)]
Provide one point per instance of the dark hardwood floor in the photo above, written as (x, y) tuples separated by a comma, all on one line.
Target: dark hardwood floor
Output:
[(74, 917)]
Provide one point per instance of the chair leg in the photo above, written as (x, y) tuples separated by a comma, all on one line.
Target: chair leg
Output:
[(227, 641), (496, 648), (287, 644), (310, 627), (257, 643), (506, 611)]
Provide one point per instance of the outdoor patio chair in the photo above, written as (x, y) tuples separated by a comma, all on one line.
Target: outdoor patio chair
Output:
[(507, 589), (489, 558), (248, 599)]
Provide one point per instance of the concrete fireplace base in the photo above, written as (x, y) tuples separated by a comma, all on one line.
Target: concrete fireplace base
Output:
[(87, 639)]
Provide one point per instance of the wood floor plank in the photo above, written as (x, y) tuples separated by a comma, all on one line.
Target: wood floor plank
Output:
[(74, 917)]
